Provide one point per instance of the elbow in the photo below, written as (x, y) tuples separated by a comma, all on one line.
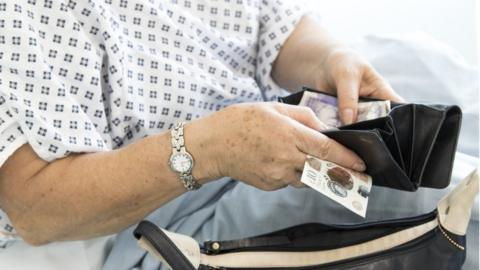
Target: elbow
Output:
[(35, 241), (37, 220), (29, 230), (23, 200), (25, 214)]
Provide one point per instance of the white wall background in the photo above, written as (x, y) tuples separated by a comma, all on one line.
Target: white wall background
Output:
[(450, 21)]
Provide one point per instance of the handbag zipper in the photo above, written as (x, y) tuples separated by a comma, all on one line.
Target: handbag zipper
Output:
[(218, 247), (415, 244)]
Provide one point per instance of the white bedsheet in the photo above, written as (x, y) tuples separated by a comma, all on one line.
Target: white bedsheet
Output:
[(77, 255)]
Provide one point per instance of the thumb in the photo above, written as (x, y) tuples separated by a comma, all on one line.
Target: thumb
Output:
[(301, 114), (347, 93)]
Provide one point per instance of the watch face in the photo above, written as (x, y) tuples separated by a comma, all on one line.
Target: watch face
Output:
[(181, 162)]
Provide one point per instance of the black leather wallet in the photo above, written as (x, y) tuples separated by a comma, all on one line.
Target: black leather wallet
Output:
[(414, 146)]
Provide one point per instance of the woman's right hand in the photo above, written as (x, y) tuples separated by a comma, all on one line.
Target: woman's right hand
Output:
[(263, 144)]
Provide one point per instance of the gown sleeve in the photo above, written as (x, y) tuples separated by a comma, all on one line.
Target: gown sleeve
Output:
[(278, 19)]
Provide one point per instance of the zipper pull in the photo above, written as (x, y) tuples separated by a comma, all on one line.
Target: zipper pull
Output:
[(212, 247)]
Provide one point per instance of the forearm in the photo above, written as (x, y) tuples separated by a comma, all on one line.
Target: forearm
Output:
[(301, 56), (88, 195)]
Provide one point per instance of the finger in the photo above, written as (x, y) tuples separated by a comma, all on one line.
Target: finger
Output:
[(268, 185), (381, 88), (304, 115), (319, 145), (294, 174), (298, 161), (298, 183), (294, 178), (347, 84), (386, 92)]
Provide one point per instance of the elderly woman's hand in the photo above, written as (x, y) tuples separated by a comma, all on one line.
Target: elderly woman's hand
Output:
[(311, 57), (264, 144), (346, 73)]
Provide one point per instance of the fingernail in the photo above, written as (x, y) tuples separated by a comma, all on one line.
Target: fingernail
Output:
[(347, 115), (359, 166)]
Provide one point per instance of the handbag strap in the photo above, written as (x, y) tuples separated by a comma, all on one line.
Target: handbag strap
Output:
[(179, 252)]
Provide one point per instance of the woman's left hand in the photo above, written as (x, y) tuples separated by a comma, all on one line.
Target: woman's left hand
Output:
[(346, 73), (312, 57)]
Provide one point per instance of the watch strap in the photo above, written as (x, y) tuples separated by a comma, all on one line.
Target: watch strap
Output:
[(189, 182), (178, 146)]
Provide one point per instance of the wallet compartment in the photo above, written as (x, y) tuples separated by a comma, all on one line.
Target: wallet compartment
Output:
[(443, 150), (381, 165)]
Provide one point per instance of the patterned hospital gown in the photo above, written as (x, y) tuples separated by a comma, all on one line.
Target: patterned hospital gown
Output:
[(95, 75)]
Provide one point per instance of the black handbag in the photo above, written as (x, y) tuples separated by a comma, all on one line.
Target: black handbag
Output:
[(432, 241), (413, 146)]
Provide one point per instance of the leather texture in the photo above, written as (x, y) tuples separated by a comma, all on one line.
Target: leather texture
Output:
[(419, 242), (430, 251), (412, 147)]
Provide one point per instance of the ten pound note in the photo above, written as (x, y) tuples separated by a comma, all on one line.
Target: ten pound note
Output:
[(325, 107), (347, 187)]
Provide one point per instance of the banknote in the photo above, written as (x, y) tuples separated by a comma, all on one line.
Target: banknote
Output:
[(346, 187), (326, 108)]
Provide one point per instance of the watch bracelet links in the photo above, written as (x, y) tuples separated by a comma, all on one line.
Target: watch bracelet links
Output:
[(178, 143), (177, 140), (189, 182)]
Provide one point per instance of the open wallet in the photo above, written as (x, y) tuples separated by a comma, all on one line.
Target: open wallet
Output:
[(413, 146), (431, 241)]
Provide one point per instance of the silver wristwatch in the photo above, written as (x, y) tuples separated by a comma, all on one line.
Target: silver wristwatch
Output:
[(181, 161)]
